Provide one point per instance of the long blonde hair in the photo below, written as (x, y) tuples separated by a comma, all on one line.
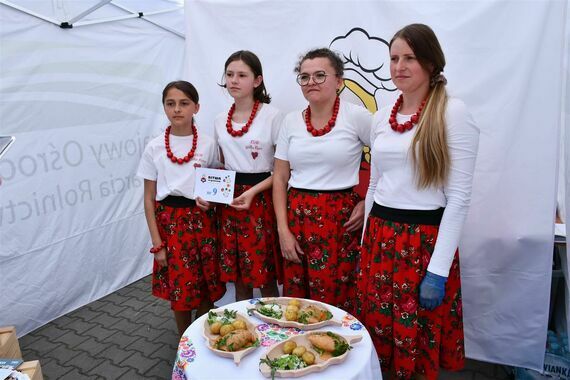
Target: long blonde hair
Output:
[(430, 152)]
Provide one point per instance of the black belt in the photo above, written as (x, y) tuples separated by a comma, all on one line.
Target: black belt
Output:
[(178, 202), (251, 178), (347, 190), (429, 217)]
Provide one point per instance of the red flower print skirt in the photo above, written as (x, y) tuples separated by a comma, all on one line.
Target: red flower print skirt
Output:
[(192, 272), (327, 271), (248, 243), (407, 337)]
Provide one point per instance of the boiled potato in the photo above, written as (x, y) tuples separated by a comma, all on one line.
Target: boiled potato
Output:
[(290, 315), (299, 351), (239, 325), (215, 327), (289, 346), (225, 329), (308, 358), (295, 302), (293, 308)]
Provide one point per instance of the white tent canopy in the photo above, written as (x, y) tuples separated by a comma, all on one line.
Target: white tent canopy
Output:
[(82, 103)]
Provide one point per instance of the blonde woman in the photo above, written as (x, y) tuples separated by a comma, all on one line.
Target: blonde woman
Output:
[(423, 156)]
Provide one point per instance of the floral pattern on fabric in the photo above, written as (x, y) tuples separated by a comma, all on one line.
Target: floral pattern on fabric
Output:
[(407, 337), (248, 244), (190, 236), (186, 354), (327, 271), (271, 333)]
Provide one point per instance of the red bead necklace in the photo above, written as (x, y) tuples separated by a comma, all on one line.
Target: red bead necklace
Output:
[(190, 154), (327, 128), (408, 124), (245, 128)]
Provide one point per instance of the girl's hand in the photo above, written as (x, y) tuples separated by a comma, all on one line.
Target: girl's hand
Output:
[(356, 220), (243, 202), (160, 258), (290, 248), (203, 204)]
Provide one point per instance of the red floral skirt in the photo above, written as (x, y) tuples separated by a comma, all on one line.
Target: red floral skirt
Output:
[(192, 272), (327, 270), (248, 243), (407, 337)]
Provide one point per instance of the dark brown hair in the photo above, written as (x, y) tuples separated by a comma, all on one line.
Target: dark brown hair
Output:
[(253, 62), (186, 87), (334, 59)]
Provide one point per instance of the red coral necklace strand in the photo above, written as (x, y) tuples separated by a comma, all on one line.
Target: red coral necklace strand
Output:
[(190, 154), (245, 128), (401, 128), (327, 128)]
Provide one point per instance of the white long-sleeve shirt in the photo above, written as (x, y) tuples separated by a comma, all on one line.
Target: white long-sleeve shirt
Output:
[(393, 180)]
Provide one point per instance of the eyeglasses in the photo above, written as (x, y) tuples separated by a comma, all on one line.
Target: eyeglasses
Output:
[(318, 78)]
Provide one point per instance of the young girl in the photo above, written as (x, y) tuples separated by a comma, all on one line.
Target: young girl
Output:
[(246, 135), (183, 230)]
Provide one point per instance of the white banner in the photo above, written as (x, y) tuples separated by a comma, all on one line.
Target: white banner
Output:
[(504, 59), (82, 104)]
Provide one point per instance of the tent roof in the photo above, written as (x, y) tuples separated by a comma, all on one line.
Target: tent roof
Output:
[(79, 13)]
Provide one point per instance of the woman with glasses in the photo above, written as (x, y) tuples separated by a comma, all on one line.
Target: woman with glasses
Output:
[(318, 156), (424, 149), (247, 134)]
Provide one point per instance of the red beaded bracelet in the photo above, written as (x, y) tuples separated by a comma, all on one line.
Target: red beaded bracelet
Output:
[(155, 250)]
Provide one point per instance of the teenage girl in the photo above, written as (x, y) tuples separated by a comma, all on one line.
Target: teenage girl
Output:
[(247, 135)]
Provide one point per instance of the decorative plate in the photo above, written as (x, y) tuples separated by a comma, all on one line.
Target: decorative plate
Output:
[(230, 344), (322, 358), (308, 315)]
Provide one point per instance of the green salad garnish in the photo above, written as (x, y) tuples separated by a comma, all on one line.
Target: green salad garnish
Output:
[(271, 310), (228, 317), (284, 362)]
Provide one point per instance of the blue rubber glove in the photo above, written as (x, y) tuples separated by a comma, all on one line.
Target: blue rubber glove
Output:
[(432, 290)]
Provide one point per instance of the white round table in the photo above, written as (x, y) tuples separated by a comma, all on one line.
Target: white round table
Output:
[(194, 361)]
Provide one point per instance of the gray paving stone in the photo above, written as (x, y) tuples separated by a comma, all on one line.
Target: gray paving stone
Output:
[(79, 325), (169, 338), (163, 370), (107, 320), (148, 332), (145, 347), (461, 375), (127, 326), (93, 346), (140, 363), (62, 354), (135, 304), (121, 339), (76, 375), (27, 340), (99, 332), (86, 362), (115, 353), (108, 370), (43, 344), (85, 313), (53, 370), (115, 298), (49, 331), (114, 310), (131, 375), (71, 339), (125, 291), (167, 352), (62, 321)]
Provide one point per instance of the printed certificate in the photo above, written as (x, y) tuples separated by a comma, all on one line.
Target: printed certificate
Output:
[(215, 185)]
